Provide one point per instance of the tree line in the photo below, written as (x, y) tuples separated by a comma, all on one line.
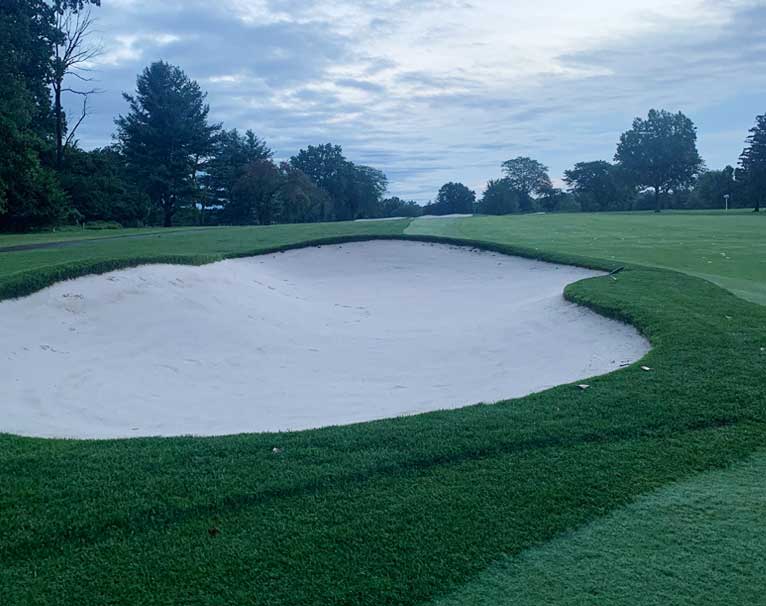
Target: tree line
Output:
[(656, 165), (169, 164)]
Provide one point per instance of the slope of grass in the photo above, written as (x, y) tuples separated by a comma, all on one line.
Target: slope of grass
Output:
[(23, 272), (393, 512), (727, 249), (701, 541)]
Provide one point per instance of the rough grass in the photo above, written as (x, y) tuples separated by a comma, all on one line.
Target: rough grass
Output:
[(393, 512)]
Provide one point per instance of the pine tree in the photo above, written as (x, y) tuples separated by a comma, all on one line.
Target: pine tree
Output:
[(752, 162), (166, 137)]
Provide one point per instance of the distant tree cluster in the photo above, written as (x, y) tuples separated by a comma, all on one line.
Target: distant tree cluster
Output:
[(657, 165), (170, 164)]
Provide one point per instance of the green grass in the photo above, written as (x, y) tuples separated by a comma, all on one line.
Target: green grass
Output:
[(727, 249), (701, 541), (7, 239), (403, 511)]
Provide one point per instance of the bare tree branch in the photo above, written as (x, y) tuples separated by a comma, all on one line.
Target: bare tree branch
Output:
[(73, 53), (83, 114)]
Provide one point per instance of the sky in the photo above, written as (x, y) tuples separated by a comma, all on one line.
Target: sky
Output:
[(431, 91)]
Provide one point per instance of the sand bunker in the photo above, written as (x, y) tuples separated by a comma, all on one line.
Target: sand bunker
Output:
[(307, 338)]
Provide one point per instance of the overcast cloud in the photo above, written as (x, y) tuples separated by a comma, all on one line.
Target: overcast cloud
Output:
[(431, 91)]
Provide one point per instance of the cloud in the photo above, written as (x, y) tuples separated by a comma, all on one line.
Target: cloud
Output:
[(444, 90)]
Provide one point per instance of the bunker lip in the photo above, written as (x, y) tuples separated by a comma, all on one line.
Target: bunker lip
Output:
[(308, 338)]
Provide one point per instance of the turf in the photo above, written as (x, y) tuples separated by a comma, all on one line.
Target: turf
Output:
[(403, 511), (697, 542), (728, 249), (68, 235)]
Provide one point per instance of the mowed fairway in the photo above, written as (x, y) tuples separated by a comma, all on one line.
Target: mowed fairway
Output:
[(728, 249), (482, 503)]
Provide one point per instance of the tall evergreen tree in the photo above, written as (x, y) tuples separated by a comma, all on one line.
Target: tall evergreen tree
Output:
[(752, 162), (166, 136)]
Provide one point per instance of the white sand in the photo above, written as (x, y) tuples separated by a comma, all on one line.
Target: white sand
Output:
[(452, 216), (308, 338), (380, 219)]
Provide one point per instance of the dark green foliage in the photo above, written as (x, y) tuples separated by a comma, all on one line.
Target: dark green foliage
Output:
[(453, 198), (393, 512), (29, 193), (553, 199), (396, 207), (299, 199), (354, 191), (253, 197), (711, 187), (529, 178), (660, 152), (752, 171), (166, 137), (232, 155), (499, 198), (600, 186), (100, 189)]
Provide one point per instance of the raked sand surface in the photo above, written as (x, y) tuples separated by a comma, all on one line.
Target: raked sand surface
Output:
[(308, 338)]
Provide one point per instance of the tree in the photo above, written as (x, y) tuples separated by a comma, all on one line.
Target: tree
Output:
[(528, 177), (499, 198), (72, 52), (599, 186), (752, 162), (367, 187), (299, 199), (29, 192), (232, 154), (453, 198), (355, 191), (253, 199), (660, 153), (711, 188), (326, 166), (552, 199), (165, 136), (99, 188), (396, 207)]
